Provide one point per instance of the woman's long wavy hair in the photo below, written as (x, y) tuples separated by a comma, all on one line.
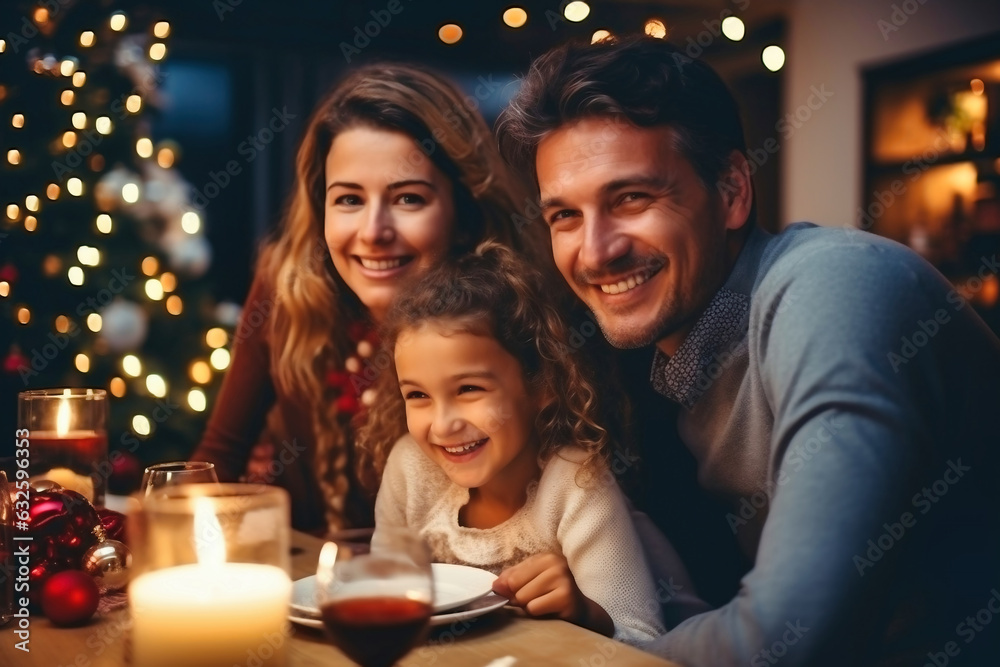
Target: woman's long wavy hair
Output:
[(313, 305), (492, 292)]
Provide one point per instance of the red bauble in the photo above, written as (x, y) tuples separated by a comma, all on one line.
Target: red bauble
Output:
[(62, 527), (114, 524), (69, 598)]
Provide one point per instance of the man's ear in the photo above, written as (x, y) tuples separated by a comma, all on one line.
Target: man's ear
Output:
[(736, 191)]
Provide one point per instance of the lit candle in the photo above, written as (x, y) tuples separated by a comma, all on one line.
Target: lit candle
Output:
[(210, 615)]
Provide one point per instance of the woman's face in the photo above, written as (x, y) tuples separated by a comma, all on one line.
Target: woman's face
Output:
[(389, 213)]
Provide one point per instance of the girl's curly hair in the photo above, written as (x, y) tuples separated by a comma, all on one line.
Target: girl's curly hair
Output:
[(490, 292)]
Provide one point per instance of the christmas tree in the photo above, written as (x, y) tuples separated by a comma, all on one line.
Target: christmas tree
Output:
[(102, 253)]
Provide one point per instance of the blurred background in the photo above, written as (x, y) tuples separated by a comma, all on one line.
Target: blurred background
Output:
[(147, 149)]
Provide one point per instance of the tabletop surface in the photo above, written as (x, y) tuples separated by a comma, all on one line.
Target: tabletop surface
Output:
[(473, 643)]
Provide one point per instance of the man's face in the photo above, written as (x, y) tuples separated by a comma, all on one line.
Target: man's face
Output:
[(635, 232)]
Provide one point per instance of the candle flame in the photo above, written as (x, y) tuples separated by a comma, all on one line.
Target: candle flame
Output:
[(209, 543), (62, 417)]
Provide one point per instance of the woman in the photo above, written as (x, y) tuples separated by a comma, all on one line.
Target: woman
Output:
[(395, 172)]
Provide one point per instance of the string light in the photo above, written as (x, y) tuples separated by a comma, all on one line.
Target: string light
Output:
[(32, 203), (62, 324), (174, 305), (88, 255), (140, 425), (161, 29), (30, 223), (79, 120), (515, 17), (733, 28), (66, 97), (75, 275), (165, 157), (201, 372), (773, 57), (156, 385), (191, 222), (4, 288), (655, 28), (74, 186), (133, 103), (104, 223), (23, 315), (3, 45), (69, 139), (197, 401), (87, 38), (68, 66), (41, 15), (220, 359), (130, 193), (600, 36), (576, 11), (117, 387), (144, 147), (14, 156), (450, 33), (169, 282), (52, 191), (79, 78), (118, 21), (131, 365), (82, 363), (216, 337), (94, 322), (103, 125), (13, 211), (17, 120), (150, 265), (154, 289), (51, 265), (157, 51)]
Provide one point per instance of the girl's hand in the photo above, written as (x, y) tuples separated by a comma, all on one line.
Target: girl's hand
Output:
[(544, 586)]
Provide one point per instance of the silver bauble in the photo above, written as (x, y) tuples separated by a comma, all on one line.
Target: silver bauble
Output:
[(108, 562)]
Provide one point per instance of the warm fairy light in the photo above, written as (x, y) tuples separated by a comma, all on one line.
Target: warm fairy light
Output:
[(140, 425), (67, 66), (450, 33), (32, 203), (103, 125), (216, 337), (41, 15), (576, 11), (977, 86), (79, 78), (82, 363), (655, 28), (69, 139), (515, 17), (13, 211), (165, 158), (174, 305), (66, 97), (773, 57), (3, 45), (131, 365), (79, 120), (733, 28), (51, 265), (17, 120), (14, 156), (4, 288), (157, 51), (220, 359), (169, 282), (161, 29), (74, 186), (130, 193), (156, 385), (197, 401), (87, 38), (201, 372), (154, 289), (191, 222), (133, 103), (88, 255), (150, 265), (62, 324), (144, 147), (118, 21), (52, 191), (94, 322), (23, 315), (117, 387), (104, 223), (30, 223), (75, 275), (96, 162)]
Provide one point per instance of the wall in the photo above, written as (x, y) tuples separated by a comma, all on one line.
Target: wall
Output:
[(828, 45)]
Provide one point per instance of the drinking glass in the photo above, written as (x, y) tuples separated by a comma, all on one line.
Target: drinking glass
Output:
[(177, 472), (68, 438), (376, 600)]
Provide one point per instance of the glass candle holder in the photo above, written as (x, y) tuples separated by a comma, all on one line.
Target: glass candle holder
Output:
[(211, 582), (68, 438)]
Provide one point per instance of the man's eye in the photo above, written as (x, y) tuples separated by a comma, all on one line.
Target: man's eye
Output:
[(632, 197), (560, 215)]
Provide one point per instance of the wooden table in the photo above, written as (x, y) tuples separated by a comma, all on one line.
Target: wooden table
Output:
[(463, 644)]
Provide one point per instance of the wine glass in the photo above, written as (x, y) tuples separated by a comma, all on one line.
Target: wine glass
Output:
[(376, 601), (177, 472)]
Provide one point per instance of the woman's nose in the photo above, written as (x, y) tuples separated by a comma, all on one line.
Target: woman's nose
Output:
[(378, 227)]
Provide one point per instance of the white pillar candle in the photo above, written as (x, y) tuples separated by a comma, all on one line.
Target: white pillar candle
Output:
[(210, 615)]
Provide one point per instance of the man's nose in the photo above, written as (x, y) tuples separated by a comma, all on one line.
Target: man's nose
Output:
[(603, 242)]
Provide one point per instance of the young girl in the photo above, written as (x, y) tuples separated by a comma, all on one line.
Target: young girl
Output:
[(502, 468)]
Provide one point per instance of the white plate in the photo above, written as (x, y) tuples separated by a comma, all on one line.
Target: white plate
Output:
[(478, 607), (454, 586)]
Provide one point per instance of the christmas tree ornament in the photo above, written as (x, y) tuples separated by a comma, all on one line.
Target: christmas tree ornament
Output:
[(188, 254), (69, 598), (113, 523), (108, 562), (124, 325), (40, 485)]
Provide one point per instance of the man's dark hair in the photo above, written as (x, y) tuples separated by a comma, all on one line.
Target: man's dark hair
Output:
[(643, 80)]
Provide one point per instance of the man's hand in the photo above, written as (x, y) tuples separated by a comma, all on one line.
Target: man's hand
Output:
[(544, 586)]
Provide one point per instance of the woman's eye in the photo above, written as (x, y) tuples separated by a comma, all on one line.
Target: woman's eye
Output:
[(410, 199), (347, 200)]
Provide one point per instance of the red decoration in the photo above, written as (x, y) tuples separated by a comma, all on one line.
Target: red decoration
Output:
[(8, 273), (126, 473), (69, 598), (14, 362), (62, 524), (113, 522)]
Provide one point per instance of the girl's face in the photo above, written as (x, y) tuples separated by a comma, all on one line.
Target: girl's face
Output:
[(389, 213), (468, 407)]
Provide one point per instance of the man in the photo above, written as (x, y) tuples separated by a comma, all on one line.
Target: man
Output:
[(837, 395)]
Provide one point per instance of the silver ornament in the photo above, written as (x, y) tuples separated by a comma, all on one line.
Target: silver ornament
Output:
[(41, 485), (108, 562)]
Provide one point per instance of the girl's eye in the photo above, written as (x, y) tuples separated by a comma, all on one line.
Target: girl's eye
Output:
[(466, 388), (413, 395), (410, 199), (347, 200)]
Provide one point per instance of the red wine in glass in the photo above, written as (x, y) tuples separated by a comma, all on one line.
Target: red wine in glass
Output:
[(376, 631)]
